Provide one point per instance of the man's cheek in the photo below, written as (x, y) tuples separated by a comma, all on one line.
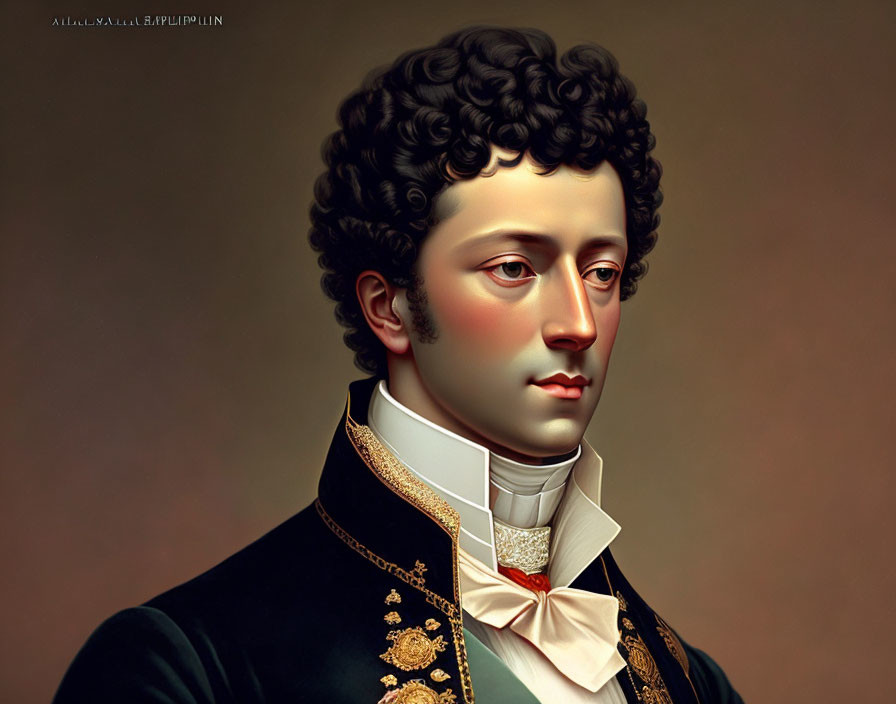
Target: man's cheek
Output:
[(608, 326), (486, 325)]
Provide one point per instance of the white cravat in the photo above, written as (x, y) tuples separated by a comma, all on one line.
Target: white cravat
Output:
[(458, 470), (575, 629)]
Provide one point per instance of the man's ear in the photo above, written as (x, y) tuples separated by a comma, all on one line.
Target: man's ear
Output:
[(381, 303)]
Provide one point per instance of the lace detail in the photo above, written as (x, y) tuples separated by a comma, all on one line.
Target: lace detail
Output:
[(526, 549)]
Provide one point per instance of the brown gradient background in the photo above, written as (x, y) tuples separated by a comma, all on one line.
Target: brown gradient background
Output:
[(171, 375)]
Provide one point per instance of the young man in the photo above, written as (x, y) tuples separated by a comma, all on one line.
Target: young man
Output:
[(484, 212)]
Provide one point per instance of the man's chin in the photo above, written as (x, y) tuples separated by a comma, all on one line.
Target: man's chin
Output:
[(541, 448)]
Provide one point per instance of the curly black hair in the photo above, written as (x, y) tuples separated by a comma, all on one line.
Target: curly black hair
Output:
[(432, 117)]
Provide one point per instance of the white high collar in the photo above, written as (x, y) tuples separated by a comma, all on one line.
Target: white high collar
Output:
[(457, 469)]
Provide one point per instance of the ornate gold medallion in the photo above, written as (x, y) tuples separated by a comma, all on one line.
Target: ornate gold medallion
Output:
[(393, 597), (431, 624), (439, 675), (416, 692), (392, 618), (412, 649)]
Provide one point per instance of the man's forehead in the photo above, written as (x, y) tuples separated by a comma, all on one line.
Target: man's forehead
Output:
[(522, 206), (450, 200)]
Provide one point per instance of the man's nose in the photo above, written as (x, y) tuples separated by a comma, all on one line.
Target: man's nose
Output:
[(568, 320)]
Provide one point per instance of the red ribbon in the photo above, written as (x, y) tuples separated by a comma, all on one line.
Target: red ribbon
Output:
[(535, 582)]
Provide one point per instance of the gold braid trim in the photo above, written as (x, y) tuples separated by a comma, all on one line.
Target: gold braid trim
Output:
[(386, 467), (460, 647), (399, 478), (409, 576), (414, 579)]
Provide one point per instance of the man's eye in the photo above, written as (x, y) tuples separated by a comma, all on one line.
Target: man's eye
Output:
[(603, 275), (511, 271)]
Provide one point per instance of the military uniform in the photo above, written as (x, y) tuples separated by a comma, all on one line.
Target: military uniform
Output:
[(354, 599)]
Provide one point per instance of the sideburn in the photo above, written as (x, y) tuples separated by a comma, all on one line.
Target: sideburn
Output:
[(422, 322)]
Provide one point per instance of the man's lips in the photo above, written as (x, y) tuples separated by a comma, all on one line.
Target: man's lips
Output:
[(562, 385)]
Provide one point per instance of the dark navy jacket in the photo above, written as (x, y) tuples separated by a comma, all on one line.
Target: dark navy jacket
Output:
[(355, 599)]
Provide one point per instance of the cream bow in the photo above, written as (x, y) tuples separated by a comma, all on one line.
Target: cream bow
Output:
[(574, 629)]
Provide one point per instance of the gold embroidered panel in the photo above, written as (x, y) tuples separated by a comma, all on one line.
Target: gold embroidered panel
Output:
[(412, 647)]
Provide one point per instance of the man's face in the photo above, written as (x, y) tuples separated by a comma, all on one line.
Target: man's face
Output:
[(521, 278)]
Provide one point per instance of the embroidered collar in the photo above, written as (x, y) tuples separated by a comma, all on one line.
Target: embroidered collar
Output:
[(382, 508)]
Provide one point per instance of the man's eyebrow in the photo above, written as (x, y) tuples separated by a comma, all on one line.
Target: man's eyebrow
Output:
[(540, 238)]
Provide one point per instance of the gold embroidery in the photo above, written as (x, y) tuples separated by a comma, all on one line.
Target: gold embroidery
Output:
[(457, 635), (393, 597), (419, 569), (415, 692), (455, 619), (673, 644), (439, 675), (638, 658), (389, 680), (655, 696), (441, 603), (623, 605), (392, 618), (641, 662), (396, 475), (412, 649), (431, 624), (677, 649)]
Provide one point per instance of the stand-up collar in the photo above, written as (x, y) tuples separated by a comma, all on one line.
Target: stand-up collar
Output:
[(457, 470), (383, 507)]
